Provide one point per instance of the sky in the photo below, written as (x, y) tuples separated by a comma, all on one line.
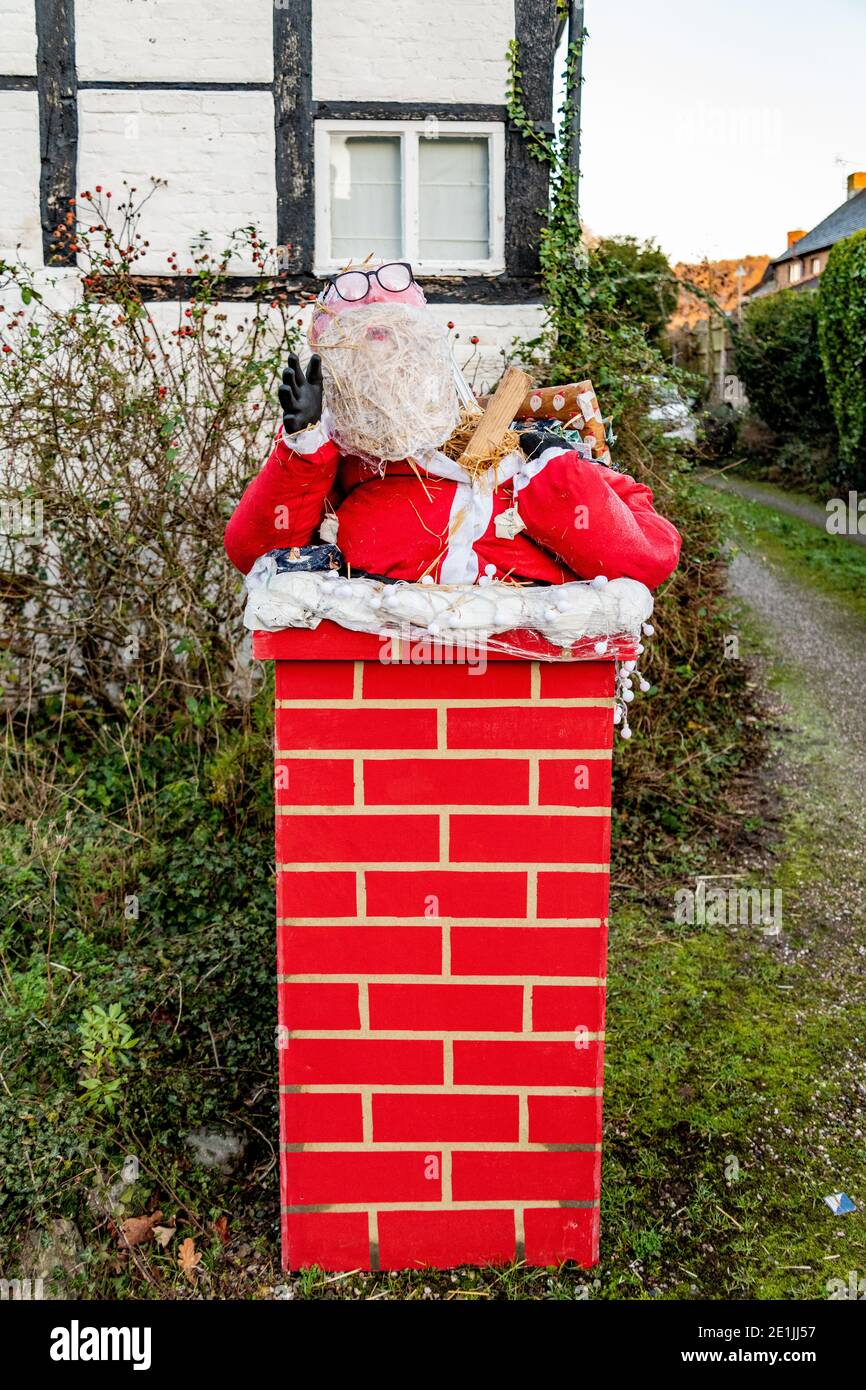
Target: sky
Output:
[(716, 126)]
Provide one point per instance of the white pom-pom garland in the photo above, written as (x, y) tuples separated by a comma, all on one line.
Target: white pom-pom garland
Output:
[(596, 611), (626, 676)]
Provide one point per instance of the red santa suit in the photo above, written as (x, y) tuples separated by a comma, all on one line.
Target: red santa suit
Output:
[(548, 519), (579, 518)]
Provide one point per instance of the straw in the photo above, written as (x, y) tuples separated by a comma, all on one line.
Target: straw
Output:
[(389, 385)]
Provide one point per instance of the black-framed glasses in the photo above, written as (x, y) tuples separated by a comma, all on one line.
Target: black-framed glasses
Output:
[(353, 285)]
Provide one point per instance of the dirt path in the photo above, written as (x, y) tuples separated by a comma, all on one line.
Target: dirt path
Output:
[(818, 665), (789, 504), (807, 646)]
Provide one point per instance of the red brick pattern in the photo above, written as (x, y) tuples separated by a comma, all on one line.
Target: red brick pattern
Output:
[(442, 845)]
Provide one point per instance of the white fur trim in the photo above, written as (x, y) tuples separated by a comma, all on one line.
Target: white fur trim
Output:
[(307, 441), (472, 507), (530, 468), (470, 515), (563, 613)]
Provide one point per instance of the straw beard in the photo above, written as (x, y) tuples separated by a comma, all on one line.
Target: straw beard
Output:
[(389, 382)]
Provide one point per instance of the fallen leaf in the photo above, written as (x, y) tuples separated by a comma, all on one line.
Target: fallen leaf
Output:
[(163, 1234), (188, 1257), (221, 1226), (136, 1229)]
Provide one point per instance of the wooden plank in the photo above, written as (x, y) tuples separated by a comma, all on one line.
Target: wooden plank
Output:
[(526, 178), (58, 124), (293, 127), (501, 411)]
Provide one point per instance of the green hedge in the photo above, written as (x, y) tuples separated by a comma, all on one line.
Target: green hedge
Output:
[(842, 336), (778, 360)]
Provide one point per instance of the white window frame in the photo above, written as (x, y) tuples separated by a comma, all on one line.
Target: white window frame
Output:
[(410, 133)]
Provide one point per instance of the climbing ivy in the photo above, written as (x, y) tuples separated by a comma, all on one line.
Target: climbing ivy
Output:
[(587, 331), (842, 339), (562, 255)]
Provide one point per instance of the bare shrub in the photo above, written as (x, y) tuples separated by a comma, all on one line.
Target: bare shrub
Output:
[(132, 426)]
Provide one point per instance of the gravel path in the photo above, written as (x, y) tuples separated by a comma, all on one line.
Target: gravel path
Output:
[(814, 661), (822, 638), (819, 664), (769, 496)]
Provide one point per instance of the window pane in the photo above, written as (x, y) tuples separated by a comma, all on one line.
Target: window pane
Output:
[(454, 176), (366, 212)]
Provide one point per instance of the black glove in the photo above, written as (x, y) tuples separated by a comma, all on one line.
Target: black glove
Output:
[(301, 396), (534, 441)]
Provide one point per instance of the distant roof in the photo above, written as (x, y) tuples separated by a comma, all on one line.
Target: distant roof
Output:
[(847, 219)]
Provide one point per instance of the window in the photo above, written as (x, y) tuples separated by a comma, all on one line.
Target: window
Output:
[(403, 190), (795, 272), (816, 265), (365, 195), (454, 199)]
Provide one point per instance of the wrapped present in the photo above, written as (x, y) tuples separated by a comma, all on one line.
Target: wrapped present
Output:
[(575, 405)]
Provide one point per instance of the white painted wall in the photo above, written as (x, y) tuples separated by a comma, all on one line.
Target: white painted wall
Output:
[(411, 50), (17, 38), (19, 173), (174, 40), (214, 149), (496, 326), (19, 132)]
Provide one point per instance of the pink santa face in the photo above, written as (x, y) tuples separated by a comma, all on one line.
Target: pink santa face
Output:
[(389, 283)]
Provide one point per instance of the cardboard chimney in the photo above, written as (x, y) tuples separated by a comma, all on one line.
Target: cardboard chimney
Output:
[(443, 853)]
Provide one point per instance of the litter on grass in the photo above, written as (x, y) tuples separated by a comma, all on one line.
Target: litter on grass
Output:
[(840, 1203)]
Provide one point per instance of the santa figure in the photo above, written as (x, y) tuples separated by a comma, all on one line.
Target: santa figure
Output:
[(362, 454)]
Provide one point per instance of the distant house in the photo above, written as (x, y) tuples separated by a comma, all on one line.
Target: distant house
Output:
[(801, 266)]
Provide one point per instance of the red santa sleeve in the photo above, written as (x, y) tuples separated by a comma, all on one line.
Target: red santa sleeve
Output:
[(283, 506), (596, 520)]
